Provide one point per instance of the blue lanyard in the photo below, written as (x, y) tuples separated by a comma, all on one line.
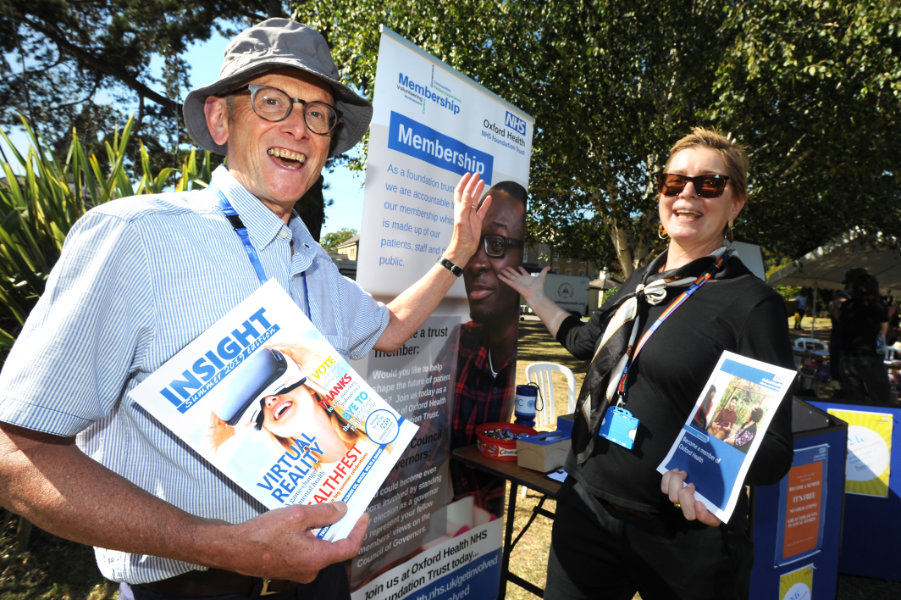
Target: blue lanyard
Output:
[(701, 280), (238, 225)]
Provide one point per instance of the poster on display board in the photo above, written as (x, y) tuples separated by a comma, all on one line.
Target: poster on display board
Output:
[(431, 124), (800, 522), (869, 460), (797, 585)]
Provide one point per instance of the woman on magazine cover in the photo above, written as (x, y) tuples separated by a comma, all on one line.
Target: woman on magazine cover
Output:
[(296, 414), (620, 527)]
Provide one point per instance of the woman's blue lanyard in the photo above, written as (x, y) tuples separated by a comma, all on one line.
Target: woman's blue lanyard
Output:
[(701, 280), (238, 225)]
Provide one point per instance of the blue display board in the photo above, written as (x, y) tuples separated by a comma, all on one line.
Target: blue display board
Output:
[(796, 523), (872, 520)]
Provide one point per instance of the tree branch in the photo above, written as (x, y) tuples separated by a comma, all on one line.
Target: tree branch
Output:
[(100, 66)]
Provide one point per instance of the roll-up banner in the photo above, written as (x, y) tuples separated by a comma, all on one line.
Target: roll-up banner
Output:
[(435, 529)]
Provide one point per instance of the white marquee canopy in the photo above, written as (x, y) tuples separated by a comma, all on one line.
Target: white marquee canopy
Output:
[(825, 267)]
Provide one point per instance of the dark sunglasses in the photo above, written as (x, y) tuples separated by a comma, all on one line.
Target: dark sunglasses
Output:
[(707, 186)]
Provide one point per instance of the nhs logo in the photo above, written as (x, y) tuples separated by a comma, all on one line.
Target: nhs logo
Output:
[(515, 123)]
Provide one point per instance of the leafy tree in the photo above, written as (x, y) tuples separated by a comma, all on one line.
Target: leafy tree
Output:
[(609, 84), (89, 65), (613, 84), (333, 239), (814, 88), (37, 209)]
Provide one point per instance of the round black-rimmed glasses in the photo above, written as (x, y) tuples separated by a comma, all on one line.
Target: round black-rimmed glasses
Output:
[(273, 104)]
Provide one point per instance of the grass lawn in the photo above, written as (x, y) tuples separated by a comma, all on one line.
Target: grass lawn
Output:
[(53, 569)]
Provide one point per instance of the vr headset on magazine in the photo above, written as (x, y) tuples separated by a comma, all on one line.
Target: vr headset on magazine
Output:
[(266, 372)]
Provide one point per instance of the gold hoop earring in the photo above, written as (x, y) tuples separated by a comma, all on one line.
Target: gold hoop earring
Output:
[(661, 232), (730, 231)]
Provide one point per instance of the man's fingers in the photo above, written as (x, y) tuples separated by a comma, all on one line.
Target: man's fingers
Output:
[(355, 539), (461, 185), (341, 550), (482, 209), (315, 516)]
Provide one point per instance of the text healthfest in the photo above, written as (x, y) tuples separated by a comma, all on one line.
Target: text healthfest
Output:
[(266, 399)]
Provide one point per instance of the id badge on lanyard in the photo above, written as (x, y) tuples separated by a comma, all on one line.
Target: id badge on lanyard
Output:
[(619, 425)]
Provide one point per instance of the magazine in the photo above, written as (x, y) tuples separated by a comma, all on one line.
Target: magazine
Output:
[(267, 400), (721, 436)]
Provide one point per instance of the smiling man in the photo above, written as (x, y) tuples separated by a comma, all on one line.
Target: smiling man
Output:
[(486, 350), (139, 278)]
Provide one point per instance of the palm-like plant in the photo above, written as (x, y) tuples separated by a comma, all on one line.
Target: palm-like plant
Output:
[(38, 207)]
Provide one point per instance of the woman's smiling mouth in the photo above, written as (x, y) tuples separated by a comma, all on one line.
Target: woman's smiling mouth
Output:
[(281, 408)]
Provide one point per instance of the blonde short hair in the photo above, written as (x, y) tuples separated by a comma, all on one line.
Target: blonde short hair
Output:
[(731, 152)]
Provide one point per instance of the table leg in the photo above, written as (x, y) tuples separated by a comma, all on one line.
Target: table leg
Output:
[(508, 538)]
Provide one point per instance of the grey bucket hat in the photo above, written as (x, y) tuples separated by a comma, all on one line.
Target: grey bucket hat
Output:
[(274, 44)]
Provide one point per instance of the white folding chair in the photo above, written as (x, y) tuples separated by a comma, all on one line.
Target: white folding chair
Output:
[(542, 374)]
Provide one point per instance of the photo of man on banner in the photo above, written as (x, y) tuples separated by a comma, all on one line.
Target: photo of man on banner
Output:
[(485, 374)]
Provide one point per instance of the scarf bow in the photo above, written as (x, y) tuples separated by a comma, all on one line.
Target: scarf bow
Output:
[(616, 347)]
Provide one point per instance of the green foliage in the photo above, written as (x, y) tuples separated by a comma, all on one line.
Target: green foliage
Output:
[(40, 205), (85, 65), (610, 85), (813, 87), (50, 568), (330, 241)]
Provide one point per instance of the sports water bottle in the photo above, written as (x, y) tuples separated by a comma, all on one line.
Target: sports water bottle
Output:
[(526, 399)]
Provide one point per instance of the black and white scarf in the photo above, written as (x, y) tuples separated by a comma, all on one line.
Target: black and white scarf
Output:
[(615, 345)]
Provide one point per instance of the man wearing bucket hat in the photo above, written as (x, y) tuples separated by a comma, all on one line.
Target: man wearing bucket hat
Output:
[(139, 278)]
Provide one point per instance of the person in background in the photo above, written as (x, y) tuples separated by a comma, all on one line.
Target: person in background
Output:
[(620, 526), (800, 309), (863, 320), (835, 335), (139, 278), (705, 411), (743, 437), (725, 419), (894, 320)]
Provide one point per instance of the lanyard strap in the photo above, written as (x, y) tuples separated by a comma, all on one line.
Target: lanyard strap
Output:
[(701, 280), (238, 225)]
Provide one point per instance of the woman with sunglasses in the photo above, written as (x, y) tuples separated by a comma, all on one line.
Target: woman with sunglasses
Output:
[(620, 527)]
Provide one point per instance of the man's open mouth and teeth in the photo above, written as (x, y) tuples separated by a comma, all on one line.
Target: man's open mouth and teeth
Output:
[(287, 155)]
